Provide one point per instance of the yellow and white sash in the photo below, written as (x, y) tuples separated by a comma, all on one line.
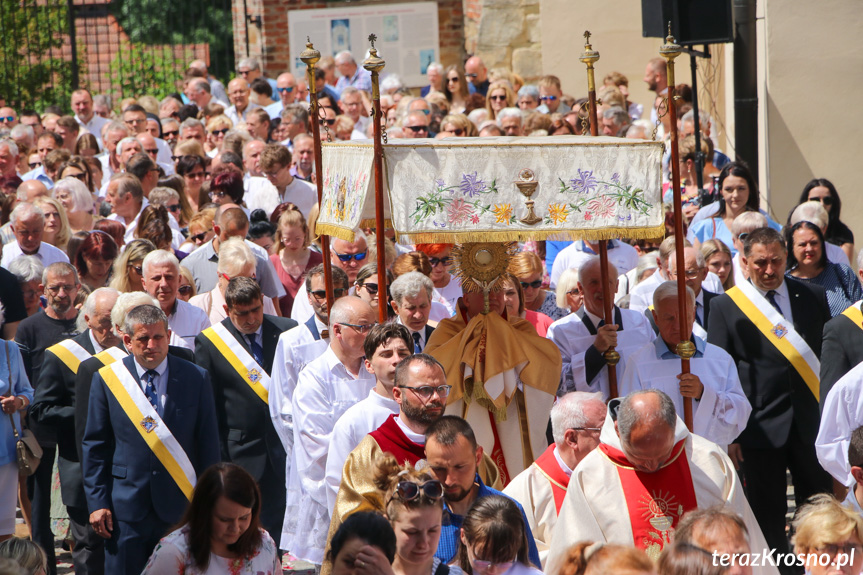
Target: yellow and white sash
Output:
[(110, 355), (854, 314), (241, 360), (780, 332), (71, 353), (128, 393)]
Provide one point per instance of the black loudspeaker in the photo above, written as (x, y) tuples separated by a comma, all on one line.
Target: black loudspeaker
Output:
[(692, 21)]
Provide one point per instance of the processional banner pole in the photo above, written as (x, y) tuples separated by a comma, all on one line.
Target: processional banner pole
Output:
[(375, 64), (685, 349), (612, 357), (310, 58)]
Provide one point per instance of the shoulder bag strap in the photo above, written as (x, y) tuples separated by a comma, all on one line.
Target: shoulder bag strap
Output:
[(442, 569), (9, 368)]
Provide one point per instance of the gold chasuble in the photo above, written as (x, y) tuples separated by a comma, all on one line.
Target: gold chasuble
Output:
[(504, 378)]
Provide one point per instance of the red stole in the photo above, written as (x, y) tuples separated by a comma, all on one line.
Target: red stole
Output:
[(550, 468), (655, 501), (392, 439)]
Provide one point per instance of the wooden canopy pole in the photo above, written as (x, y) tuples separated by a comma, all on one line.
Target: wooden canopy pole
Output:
[(685, 349), (375, 64), (612, 357), (310, 57)]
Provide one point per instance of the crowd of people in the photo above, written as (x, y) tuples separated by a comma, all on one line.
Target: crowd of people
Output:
[(201, 408)]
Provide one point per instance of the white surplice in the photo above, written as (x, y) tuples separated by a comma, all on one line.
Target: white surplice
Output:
[(723, 410), (841, 414), (572, 337), (357, 422), (325, 390), (595, 507)]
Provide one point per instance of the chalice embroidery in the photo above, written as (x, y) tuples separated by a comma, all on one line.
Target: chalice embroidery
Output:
[(527, 185)]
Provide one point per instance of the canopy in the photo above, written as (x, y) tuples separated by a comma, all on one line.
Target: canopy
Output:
[(457, 190)]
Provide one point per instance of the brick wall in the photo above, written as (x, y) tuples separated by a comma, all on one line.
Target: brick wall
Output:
[(270, 42)]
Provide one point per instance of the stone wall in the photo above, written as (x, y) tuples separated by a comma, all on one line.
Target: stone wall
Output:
[(269, 41), (505, 33)]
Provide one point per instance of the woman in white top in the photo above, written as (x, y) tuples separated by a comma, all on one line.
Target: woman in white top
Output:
[(414, 506), (493, 539), (220, 533)]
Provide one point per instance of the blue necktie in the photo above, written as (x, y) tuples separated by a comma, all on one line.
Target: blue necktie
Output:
[(150, 388), (417, 347), (257, 350), (771, 297)]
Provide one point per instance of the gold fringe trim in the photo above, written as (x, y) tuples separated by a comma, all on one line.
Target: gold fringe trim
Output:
[(475, 391), (334, 231), (650, 233), (372, 223)]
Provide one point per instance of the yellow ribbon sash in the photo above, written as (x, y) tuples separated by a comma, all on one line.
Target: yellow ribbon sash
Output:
[(240, 359), (110, 355), (153, 430), (854, 314), (779, 332), (71, 353)]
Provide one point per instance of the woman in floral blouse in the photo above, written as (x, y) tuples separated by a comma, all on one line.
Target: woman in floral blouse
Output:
[(220, 533)]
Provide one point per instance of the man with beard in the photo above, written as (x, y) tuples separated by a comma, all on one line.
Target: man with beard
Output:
[(36, 334)]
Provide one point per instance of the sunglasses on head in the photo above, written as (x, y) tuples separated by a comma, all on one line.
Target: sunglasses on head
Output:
[(534, 284), (322, 294), (409, 490), (348, 257)]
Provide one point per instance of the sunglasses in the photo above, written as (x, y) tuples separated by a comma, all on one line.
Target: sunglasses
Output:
[(416, 129), (371, 288), (199, 237), (174, 208), (329, 121), (573, 291), (214, 195), (34, 165), (286, 90), (178, 158), (826, 200), (7, 119), (452, 79), (169, 133), (471, 75), (152, 151), (445, 261), (457, 131), (497, 98), (138, 269), (408, 490), (322, 294), (548, 98), (348, 257), (534, 284), (82, 176), (185, 290), (221, 132)]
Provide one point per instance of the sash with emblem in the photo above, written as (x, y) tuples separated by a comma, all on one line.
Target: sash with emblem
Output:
[(241, 360), (655, 501), (71, 353), (780, 332), (126, 389)]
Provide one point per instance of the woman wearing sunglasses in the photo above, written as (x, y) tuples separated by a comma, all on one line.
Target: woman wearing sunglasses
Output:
[(513, 296), (368, 290), (493, 539), (823, 190), (414, 506), (527, 268), (500, 96)]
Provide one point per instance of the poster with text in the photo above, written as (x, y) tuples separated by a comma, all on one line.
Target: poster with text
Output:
[(407, 36)]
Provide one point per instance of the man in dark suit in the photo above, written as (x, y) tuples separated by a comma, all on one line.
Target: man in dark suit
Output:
[(151, 431), (411, 300), (54, 407), (238, 353), (843, 347), (784, 396)]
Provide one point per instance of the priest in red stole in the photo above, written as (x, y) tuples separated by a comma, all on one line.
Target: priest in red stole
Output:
[(576, 419), (646, 473)]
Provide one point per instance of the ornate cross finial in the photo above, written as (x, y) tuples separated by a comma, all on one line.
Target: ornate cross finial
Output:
[(372, 39), (587, 36), (669, 27), (308, 40)]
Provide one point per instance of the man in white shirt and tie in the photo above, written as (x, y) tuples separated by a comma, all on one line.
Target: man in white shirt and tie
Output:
[(696, 272)]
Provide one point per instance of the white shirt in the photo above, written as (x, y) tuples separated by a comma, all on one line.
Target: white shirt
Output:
[(274, 110), (267, 198), (94, 126), (96, 345), (723, 410), (357, 422), (783, 300), (302, 310), (841, 413), (186, 323), (236, 118), (165, 153), (47, 254), (851, 500), (836, 254), (448, 295), (622, 255), (160, 382), (325, 390)]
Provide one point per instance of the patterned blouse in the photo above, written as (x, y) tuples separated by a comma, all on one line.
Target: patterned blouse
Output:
[(841, 284), (549, 307), (172, 555)]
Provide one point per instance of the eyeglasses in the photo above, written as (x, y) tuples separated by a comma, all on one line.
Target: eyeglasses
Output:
[(56, 288), (348, 257), (7, 119), (471, 75), (228, 278), (426, 391), (416, 129), (152, 151), (408, 490), (214, 195), (371, 288), (197, 175), (826, 200), (548, 98), (534, 284), (445, 261), (138, 269), (361, 328), (846, 549), (497, 98), (199, 237), (586, 428), (221, 132), (184, 290), (288, 90), (168, 133), (691, 274), (322, 294), (274, 174), (34, 165), (573, 291), (480, 566)]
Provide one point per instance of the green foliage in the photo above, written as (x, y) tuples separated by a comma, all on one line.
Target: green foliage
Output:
[(31, 76), (140, 69)]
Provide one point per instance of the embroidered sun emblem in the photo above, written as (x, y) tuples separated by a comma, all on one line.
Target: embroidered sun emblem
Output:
[(149, 424)]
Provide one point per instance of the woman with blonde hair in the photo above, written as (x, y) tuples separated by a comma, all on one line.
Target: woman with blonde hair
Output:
[(188, 148), (187, 289), (128, 268), (567, 293), (56, 224), (217, 127), (77, 203), (500, 96), (343, 127), (178, 184), (294, 258), (414, 507), (588, 558), (25, 553), (719, 261), (829, 536), (458, 125)]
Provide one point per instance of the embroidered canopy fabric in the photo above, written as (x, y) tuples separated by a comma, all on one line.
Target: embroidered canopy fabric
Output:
[(458, 190)]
